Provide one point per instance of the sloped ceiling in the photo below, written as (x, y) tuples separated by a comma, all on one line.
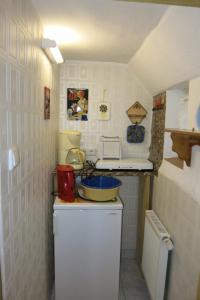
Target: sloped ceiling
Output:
[(108, 30), (171, 53)]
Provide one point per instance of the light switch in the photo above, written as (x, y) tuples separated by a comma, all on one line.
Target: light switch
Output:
[(13, 158)]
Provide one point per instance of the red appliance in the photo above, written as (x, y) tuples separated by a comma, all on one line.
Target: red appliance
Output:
[(66, 182)]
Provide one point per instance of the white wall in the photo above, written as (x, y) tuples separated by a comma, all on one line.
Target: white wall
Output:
[(189, 178), (194, 102), (176, 200), (170, 54), (129, 193), (138, 92), (122, 90), (176, 116), (26, 209)]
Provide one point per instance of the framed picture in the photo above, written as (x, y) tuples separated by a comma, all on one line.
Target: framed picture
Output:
[(46, 103), (77, 104), (103, 109)]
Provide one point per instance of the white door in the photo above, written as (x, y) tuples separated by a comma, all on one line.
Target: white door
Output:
[(87, 254)]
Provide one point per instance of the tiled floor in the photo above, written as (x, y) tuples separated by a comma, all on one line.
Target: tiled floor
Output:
[(132, 284)]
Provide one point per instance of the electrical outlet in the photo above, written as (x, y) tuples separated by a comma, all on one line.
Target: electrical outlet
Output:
[(91, 152)]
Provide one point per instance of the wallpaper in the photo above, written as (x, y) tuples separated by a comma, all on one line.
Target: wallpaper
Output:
[(180, 213), (26, 205), (106, 82)]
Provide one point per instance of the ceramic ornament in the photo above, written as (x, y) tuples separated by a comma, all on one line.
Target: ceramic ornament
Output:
[(135, 134)]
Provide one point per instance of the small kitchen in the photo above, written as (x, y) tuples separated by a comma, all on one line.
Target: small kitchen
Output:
[(109, 153), (99, 154)]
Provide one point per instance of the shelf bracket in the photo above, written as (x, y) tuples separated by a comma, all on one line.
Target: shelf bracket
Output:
[(183, 141)]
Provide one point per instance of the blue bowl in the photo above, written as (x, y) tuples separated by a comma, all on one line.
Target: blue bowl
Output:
[(101, 182)]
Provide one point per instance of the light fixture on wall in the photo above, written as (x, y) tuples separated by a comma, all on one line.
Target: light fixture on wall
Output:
[(52, 51)]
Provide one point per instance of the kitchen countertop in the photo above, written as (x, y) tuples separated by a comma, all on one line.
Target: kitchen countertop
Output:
[(95, 172), (89, 170)]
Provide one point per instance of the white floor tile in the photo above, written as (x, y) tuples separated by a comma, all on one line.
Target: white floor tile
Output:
[(132, 283)]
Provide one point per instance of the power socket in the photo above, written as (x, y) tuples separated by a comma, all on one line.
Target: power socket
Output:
[(91, 151)]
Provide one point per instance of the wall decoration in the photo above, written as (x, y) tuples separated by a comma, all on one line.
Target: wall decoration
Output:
[(158, 102), (77, 104), (103, 109), (46, 103), (136, 113), (157, 135), (135, 134)]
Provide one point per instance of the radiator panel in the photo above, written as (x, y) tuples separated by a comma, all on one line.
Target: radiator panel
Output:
[(156, 247)]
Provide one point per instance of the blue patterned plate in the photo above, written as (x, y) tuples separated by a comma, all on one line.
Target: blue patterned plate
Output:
[(135, 134)]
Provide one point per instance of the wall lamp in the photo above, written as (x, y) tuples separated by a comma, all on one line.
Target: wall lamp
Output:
[(52, 51)]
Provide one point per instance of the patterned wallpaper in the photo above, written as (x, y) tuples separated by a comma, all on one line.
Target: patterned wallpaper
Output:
[(26, 208), (180, 213)]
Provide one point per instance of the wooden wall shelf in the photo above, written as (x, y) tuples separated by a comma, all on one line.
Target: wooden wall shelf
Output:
[(183, 141)]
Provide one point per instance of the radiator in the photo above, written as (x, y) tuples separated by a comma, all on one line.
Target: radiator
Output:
[(156, 247)]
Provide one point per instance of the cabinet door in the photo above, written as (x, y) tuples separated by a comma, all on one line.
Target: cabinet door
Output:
[(87, 254)]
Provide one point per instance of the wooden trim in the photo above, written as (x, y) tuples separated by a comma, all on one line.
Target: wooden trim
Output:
[(194, 3), (184, 132)]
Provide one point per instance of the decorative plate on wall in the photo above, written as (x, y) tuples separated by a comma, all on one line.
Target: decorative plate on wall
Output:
[(135, 134)]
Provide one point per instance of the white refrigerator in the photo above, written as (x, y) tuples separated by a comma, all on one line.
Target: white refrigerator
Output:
[(87, 239)]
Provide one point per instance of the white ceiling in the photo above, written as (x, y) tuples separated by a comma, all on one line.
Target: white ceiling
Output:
[(171, 52), (108, 30)]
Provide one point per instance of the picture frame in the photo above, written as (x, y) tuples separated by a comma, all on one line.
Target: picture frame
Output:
[(77, 104), (103, 110), (47, 100)]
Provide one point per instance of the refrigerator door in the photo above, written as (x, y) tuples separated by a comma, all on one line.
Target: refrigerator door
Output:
[(87, 254)]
